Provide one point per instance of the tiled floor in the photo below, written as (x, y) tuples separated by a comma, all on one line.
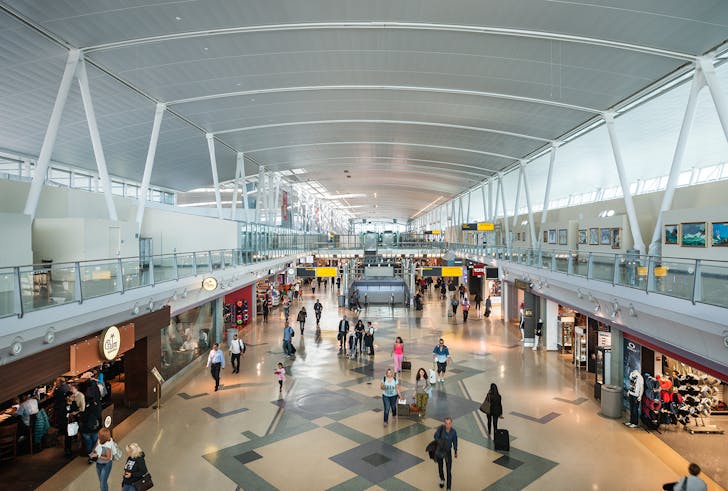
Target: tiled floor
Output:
[(325, 431)]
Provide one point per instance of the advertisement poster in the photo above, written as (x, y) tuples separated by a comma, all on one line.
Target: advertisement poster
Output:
[(632, 361)]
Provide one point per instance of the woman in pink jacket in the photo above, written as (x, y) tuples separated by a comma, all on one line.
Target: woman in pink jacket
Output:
[(398, 354)]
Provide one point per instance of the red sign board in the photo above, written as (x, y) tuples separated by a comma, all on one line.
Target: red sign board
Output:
[(478, 270)]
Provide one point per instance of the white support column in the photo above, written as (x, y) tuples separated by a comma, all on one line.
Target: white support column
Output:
[(518, 197), (236, 183), (149, 164), (486, 211), (244, 182), (258, 194), (719, 97), (93, 129), (677, 159), (470, 197), (628, 203), (49, 141), (547, 194), (531, 225), (507, 239), (491, 213), (497, 197), (213, 164), (276, 195)]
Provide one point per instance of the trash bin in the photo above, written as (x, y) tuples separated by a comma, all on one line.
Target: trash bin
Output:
[(611, 401)]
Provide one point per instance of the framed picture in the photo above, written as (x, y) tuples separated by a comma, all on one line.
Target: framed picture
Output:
[(563, 236), (672, 233), (593, 236), (552, 236), (719, 236), (605, 236), (693, 234), (616, 238), (545, 237), (582, 236)]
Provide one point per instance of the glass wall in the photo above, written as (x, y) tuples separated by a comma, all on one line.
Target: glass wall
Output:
[(188, 337)]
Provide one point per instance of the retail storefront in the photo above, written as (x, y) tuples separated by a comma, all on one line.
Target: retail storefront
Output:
[(187, 336)]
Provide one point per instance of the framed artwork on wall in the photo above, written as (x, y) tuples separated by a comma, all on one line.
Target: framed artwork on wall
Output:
[(545, 237), (605, 236), (593, 236), (719, 235), (582, 236), (616, 237), (672, 232), (692, 234), (552, 236), (563, 236)]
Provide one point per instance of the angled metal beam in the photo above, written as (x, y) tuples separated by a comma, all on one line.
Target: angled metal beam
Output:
[(401, 144), (246, 205), (380, 121), (655, 248), (236, 184), (507, 240), (634, 225), (531, 225), (497, 197), (149, 164), (213, 166), (486, 211), (719, 98), (49, 141), (93, 129), (393, 25), (518, 195), (547, 194), (403, 88)]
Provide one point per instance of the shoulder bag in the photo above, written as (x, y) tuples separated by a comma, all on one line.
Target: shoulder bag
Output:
[(144, 483), (485, 407)]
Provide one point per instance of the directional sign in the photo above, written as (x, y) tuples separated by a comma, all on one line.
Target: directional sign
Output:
[(442, 271), (486, 227)]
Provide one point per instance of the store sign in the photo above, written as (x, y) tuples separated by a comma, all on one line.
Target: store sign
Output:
[(604, 339), (528, 312), (479, 270), (469, 226), (110, 343), (209, 284), (433, 232), (521, 285)]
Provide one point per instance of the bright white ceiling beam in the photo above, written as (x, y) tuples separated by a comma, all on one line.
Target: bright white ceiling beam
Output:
[(404, 88), (393, 25), (402, 144), (396, 162), (381, 121)]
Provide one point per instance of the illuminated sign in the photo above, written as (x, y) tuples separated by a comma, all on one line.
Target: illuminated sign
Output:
[(110, 343)]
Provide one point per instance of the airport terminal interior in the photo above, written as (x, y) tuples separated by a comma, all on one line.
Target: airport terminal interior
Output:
[(301, 245)]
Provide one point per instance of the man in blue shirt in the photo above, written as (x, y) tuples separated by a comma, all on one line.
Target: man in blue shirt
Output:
[(287, 336), (447, 439), (440, 354), (215, 361)]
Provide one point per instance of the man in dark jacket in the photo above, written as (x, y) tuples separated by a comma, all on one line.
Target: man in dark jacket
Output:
[(341, 336), (447, 439)]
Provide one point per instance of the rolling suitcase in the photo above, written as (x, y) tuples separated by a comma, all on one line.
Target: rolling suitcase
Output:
[(403, 408), (406, 365), (502, 440)]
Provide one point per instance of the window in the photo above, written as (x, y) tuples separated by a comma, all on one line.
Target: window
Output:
[(82, 181), (707, 174), (155, 195), (11, 167), (59, 177), (169, 198), (132, 191), (685, 177), (117, 188)]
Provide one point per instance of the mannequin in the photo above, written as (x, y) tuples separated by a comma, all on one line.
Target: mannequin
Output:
[(636, 389), (539, 328), (521, 320)]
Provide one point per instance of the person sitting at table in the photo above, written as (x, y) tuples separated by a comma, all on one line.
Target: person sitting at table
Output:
[(28, 406)]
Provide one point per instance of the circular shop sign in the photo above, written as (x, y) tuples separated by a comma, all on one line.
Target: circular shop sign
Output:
[(209, 283), (110, 343), (107, 422)]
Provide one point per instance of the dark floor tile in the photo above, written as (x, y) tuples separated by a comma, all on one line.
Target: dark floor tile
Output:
[(248, 457), (508, 462)]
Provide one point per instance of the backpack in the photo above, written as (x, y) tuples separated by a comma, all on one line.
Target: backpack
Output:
[(116, 452)]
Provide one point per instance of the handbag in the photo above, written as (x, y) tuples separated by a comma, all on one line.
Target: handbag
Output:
[(485, 407), (72, 429), (144, 483)]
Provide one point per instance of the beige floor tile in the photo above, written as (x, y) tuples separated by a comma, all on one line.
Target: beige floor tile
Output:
[(372, 423)]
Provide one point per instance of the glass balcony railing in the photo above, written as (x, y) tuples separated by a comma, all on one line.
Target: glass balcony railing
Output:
[(697, 280)]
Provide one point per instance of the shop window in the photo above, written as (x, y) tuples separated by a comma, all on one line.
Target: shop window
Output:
[(188, 336)]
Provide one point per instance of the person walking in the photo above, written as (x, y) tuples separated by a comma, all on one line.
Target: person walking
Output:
[(89, 424), (286, 307), (135, 467), (280, 373), (215, 362), (398, 354), (317, 309), (102, 454), (288, 334), (466, 307), (390, 394), (369, 338), (266, 309), (341, 336), (478, 299), (488, 306), (440, 355), (454, 305), (237, 348), (301, 318), (688, 483), (422, 391), (447, 440), (493, 408), (359, 333), (313, 287)]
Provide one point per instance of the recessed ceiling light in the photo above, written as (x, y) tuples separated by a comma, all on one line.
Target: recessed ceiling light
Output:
[(205, 49), (252, 99), (178, 18)]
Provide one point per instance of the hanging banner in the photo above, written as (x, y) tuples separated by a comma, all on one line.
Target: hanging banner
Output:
[(284, 207), (632, 361)]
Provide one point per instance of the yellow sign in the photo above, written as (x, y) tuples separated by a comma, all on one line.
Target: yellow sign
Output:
[(326, 272), (486, 227), (436, 232), (661, 271), (451, 271), (642, 271)]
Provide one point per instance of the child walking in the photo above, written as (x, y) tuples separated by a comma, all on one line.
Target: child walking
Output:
[(281, 373)]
